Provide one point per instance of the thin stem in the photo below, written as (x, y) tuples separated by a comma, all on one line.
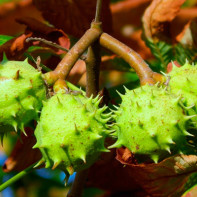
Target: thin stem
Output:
[(92, 69), (98, 11), (63, 68), (93, 61), (142, 69), (78, 184), (17, 177), (50, 43)]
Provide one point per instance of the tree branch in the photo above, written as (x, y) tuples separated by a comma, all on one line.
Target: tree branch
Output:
[(142, 69), (63, 68)]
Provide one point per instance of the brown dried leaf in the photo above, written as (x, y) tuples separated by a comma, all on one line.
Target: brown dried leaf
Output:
[(126, 15), (23, 155), (12, 9), (158, 15), (128, 12), (15, 48), (166, 178), (108, 174), (183, 17), (187, 36), (73, 16)]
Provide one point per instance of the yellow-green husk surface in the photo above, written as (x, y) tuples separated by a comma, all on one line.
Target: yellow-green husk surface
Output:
[(22, 91), (71, 132), (151, 123), (183, 82)]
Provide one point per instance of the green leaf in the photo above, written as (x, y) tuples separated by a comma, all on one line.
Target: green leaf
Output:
[(163, 51), (185, 52), (4, 39)]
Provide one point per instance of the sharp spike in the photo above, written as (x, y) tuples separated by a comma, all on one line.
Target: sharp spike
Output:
[(111, 125), (121, 95), (155, 158), (188, 80), (138, 105), (76, 130), (35, 146), (150, 104), (70, 170), (186, 61), (22, 129), (47, 164), (83, 158), (97, 136), (107, 115), (178, 99), (66, 178), (142, 89), (31, 107), (55, 165), (187, 107), (5, 59), (98, 102), (189, 117), (39, 163), (168, 149), (115, 106), (164, 73), (117, 144), (104, 150), (187, 133), (134, 93), (126, 90), (16, 77), (14, 124), (13, 114), (140, 124), (58, 99), (170, 141), (26, 60), (94, 100)]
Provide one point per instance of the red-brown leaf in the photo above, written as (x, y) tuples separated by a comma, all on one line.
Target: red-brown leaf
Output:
[(73, 16), (158, 15), (109, 174), (166, 178), (22, 154), (15, 48)]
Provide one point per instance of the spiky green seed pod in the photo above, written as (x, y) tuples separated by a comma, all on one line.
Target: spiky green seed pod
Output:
[(182, 81), (151, 123), (22, 91), (71, 132)]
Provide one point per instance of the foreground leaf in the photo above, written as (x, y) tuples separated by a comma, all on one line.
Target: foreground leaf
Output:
[(15, 48), (22, 155), (75, 16), (157, 14), (167, 178)]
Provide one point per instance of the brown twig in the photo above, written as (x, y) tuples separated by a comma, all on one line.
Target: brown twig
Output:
[(98, 11), (93, 61), (92, 69), (63, 68), (78, 184), (50, 43), (144, 72)]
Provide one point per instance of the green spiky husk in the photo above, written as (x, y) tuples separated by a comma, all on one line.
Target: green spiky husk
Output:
[(71, 132), (183, 82), (22, 91), (150, 122)]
